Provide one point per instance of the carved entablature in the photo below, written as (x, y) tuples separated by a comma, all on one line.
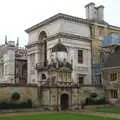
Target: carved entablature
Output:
[(53, 83), (84, 69), (60, 65)]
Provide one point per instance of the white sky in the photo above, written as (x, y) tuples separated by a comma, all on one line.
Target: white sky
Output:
[(18, 15)]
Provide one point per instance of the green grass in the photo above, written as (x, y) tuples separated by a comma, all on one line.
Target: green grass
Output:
[(52, 116), (109, 110)]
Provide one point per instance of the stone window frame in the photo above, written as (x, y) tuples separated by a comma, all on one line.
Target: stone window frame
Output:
[(32, 59), (113, 76), (1, 70), (80, 56), (42, 38), (43, 76), (81, 81), (114, 93)]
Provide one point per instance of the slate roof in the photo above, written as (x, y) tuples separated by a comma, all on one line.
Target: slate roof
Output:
[(113, 60)]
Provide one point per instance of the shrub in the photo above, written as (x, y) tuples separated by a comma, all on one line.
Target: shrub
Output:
[(93, 95), (91, 101), (29, 103), (15, 96), (11, 105)]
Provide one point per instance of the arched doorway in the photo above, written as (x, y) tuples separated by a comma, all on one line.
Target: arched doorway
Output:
[(64, 101)]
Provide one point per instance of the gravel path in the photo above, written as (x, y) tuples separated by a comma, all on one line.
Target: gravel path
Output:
[(110, 115)]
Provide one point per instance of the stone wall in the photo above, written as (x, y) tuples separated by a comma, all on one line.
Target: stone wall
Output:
[(49, 97), (26, 92)]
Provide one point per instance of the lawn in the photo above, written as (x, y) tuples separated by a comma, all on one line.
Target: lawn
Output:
[(51, 116), (109, 110)]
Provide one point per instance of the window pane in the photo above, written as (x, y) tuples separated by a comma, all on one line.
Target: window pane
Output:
[(114, 94), (113, 76), (80, 79), (80, 56)]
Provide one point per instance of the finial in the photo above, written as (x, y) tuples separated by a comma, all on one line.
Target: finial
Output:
[(17, 44), (6, 39), (59, 40)]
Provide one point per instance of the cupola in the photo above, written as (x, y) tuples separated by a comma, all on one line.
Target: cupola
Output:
[(59, 47), (59, 51)]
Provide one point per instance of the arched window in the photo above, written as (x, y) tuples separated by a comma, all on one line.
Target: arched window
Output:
[(42, 35), (117, 49), (43, 76)]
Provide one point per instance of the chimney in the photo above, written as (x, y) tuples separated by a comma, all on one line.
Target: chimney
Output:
[(6, 40), (94, 13), (100, 10), (17, 44), (90, 9)]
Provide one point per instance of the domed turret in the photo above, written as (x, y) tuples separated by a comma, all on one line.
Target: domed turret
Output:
[(59, 51), (59, 47), (59, 57)]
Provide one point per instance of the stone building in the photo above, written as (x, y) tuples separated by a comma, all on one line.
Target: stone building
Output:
[(76, 40), (63, 60), (111, 73), (59, 60), (13, 63), (99, 29), (105, 39)]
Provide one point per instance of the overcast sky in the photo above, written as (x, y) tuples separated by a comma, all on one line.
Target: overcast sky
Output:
[(18, 15)]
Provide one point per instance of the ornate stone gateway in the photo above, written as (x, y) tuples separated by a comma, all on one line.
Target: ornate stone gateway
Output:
[(64, 102)]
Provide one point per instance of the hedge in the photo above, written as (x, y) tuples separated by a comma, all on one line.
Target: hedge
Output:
[(11, 105), (91, 101)]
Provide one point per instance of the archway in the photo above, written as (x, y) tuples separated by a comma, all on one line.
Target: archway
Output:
[(43, 35), (64, 101), (42, 39), (24, 74)]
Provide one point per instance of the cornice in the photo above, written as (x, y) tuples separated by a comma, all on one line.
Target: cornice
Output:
[(110, 68), (69, 36), (56, 17), (73, 86), (114, 27), (91, 3), (105, 25), (61, 35), (34, 44), (17, 85), (73, 19)]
